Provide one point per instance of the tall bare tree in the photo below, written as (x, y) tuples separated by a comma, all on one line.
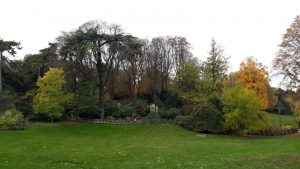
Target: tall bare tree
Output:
[(287, 61)]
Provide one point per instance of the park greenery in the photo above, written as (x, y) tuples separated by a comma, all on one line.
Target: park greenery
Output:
[(80, 145), (98, 71)]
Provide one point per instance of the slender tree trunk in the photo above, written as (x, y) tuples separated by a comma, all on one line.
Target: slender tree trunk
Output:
[(101, 100), (101, 86)]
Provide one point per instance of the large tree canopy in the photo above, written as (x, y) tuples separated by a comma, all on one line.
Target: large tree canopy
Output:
[(287, 61), (94, 46), (6, 48)]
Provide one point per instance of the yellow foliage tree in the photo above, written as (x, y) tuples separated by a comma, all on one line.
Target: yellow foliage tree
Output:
[(254, 76), (50, 98)]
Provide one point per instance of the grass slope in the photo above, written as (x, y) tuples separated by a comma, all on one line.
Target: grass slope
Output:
[(91, 146), (282, 119)]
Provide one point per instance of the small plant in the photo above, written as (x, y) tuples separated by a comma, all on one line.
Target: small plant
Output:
[(110, 118), (13, 120)]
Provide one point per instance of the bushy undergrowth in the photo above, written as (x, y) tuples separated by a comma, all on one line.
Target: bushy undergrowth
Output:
[(204, 118), (169, 113), (13, 120), (273, 130)]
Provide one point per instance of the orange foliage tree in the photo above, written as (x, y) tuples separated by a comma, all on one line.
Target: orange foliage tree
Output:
[(254, 76)]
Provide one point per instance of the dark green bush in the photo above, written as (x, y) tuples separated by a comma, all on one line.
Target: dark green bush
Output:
[(83, 107), (187, 110), (13, 120), (111, 108), (170, 98), (7, 101), (125, 111), (169, 113), (153, 117), (204, 118), (216, 100), (141, 107), (24, 103), (183, 121)]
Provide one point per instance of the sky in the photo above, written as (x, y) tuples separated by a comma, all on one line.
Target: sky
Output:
[(243, 27)]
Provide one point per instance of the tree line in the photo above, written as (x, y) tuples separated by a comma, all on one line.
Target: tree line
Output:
[(99, 71)]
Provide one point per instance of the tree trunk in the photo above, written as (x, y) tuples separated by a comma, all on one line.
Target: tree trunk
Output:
[(101, 86), (101, 100)]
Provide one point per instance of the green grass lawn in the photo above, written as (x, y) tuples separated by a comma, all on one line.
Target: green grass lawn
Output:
[(282, 119), (91, 146)]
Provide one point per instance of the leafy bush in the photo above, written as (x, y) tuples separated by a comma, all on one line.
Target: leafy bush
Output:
[(88, 111), (13, 120), (216, 100), (24, 103), (110, 118), (111, 108), (153, 117), (125, 111), (183, 121), (187, 110), (141, 107), (83, 107), (242, 110), (169, 113), (204, 118), (7, 101), (170, 98), (273, 130)]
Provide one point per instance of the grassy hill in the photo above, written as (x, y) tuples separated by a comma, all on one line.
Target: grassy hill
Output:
[(282, 119), (91, 146)]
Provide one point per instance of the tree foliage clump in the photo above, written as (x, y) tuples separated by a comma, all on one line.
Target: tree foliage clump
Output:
[(50, 98), (254, 76), (242, 110)]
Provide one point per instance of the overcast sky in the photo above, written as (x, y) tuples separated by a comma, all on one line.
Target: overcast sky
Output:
[(244, 28)]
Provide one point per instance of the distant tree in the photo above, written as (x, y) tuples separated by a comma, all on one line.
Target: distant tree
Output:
[(283, 106), (273, 98), (287, 61), (216, 66), (293, 98), (187, 82), (188, 76), (254, 76), (50, 98), (242, 109), (7, 48)]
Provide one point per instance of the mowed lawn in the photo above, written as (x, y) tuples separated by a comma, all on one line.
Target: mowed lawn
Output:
[(91, 146)]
